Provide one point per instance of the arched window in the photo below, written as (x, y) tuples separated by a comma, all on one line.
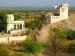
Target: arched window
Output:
[(20, 26), (14, 27), (17, 26)]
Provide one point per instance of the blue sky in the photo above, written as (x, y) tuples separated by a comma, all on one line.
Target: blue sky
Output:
[(33, 3)]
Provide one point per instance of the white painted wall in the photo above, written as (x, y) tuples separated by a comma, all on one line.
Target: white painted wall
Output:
[(9, 26), (64, 11), (10, 19), (16, 32), (11, 23), (55, 19), (62, 15), (3, 40), (7, 40)]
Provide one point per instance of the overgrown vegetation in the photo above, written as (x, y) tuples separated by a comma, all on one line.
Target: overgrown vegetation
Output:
[(71, 48), (31, 46), (28, 48), (3, 22), (70, 34), (4, 51), (28, 31), (37, 22), (16, 17), (61, 40), (57, 37)]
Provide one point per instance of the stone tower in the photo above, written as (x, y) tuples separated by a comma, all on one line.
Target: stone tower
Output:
[(10, 20), (60, 13), (64, 11)]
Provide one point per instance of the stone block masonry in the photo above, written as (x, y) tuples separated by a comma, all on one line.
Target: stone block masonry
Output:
[(7, 40)]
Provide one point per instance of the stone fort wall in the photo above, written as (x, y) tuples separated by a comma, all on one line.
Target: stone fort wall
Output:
[(7, 40)]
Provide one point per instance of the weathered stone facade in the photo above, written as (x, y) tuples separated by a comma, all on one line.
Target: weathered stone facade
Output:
[(59, 13), (14, 26)]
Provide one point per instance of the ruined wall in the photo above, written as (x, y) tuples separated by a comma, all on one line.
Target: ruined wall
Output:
[(7, 40), (61, 13)]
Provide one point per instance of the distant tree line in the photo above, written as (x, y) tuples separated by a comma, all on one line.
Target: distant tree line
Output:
[(3, 22)]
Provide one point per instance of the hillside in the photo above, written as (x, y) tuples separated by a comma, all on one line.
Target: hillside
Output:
[(65, 24)]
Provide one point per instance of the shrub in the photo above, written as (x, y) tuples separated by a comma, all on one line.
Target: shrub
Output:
[(3, 23), (16, 17), (70, 35), (4, 51), (71, 48), (28, 31), (30, 46)]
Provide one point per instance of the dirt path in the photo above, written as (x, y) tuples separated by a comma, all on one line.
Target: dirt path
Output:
[(44, 33)]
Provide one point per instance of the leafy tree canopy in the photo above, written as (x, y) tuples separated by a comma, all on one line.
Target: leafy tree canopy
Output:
[(3, 18), (31, 46), (70, 34)]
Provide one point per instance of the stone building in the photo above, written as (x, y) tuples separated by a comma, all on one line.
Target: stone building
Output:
[(14, 26), (59, 13)]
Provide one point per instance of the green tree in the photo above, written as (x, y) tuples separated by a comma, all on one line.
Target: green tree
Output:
[(16, 17), (28, 31), (37, 22), (56, 39), (70, 34), (3, 22), (31, 46)]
